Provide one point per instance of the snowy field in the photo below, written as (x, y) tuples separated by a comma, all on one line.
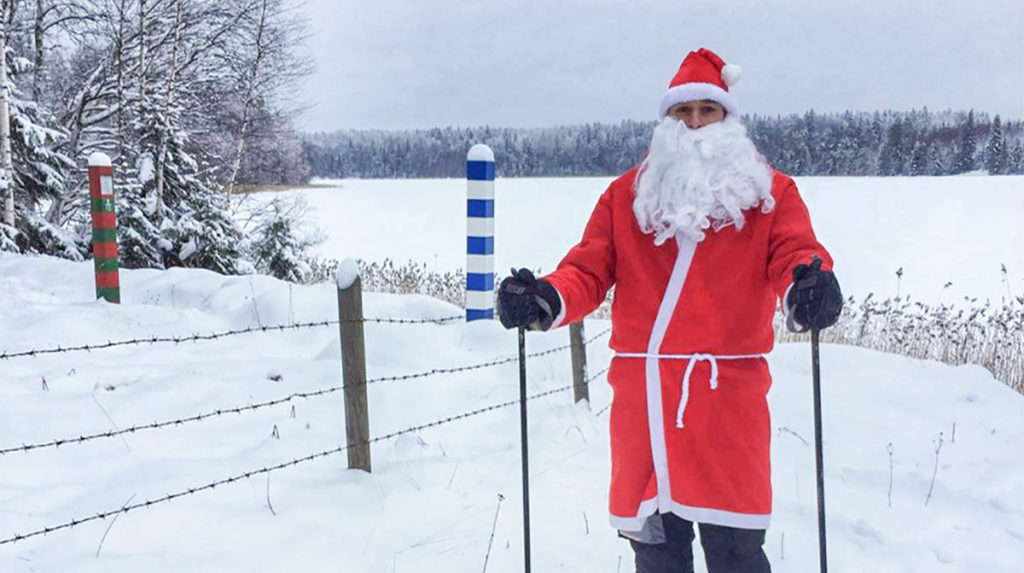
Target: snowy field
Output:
[(937, 229), (923, 461)]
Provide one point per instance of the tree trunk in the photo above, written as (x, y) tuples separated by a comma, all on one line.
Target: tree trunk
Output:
[(37, 36), (53, 214), (122, 17), (236, 163), (257, 62), (6, 164), (142, 51), (161, 159)]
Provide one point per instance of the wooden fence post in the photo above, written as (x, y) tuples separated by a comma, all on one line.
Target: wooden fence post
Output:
[(578, 349), (353, 365)]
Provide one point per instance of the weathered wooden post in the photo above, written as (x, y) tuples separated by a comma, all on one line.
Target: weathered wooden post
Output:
[(104, 227), (578, 351), (353, 364), (479, 233)]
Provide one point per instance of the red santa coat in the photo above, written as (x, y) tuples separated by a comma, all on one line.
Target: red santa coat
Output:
[(690, 428)]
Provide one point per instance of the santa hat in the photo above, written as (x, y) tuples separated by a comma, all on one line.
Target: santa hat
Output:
[(702, 75)]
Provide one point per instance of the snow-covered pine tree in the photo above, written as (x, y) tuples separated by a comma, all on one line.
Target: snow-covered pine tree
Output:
[(41, 174), (871, 145), (995, 157), (966, 151), (279, 238), (174, 214), (892, 158), (35, 170), (188, 223), (1015, 160), (919, 158)]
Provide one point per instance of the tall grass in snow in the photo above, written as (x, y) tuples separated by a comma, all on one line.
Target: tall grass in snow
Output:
[(978, 333), (971, 333)]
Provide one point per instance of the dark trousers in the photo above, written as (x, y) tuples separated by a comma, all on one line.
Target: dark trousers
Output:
[(726, 549)]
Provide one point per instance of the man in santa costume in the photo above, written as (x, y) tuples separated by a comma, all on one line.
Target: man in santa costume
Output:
[(700, 241)]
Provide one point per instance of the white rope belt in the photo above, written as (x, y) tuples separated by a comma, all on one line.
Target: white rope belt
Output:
[(692, 359)]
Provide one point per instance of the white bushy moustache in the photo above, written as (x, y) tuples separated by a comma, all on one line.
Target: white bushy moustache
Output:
[(693, 179)]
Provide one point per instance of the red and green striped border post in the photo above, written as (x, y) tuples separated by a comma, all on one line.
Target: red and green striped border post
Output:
[(104, 227)]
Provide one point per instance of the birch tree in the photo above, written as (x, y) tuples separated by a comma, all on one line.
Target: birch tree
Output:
[(165, 118), (7, 10), (267, 66)]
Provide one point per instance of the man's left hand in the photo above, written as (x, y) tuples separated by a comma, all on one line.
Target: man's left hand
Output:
[(815, 300)]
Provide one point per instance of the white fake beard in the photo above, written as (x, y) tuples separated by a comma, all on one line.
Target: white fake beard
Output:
[(693, 179)]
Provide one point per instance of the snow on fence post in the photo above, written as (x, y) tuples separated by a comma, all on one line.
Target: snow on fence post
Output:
[(353, 364), (104, 227), (578, 351), (479, 233)]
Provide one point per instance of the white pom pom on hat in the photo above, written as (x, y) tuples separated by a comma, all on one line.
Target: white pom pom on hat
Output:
[(731, 74), (702, 75)]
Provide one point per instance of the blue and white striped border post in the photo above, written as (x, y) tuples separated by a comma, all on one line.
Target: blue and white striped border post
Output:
[(479, 233)]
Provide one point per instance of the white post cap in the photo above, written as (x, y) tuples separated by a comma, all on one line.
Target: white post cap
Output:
[(346, 274), (480, 152), (99, 159)]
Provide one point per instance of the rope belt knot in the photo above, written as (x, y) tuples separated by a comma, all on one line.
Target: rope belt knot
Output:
[(685, 397), (692, 360)]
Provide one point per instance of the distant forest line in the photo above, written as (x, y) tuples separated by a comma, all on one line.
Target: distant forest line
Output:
[(888, 143)]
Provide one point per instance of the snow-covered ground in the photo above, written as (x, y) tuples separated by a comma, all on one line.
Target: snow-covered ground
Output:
[(923, 460), (937, 229)]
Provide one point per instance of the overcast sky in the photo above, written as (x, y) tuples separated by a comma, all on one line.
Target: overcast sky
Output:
[(396, 64)]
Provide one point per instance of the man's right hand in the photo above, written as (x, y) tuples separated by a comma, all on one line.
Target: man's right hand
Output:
[(525, 301)]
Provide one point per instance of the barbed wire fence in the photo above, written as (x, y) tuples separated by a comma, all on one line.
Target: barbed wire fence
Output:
[(58, 442), (5, 355), (246, 475), (113, 513)]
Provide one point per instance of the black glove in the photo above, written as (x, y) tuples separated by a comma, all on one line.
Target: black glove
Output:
[(527, 302), (814, 300)]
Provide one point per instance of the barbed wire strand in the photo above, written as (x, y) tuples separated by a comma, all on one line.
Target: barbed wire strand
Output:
[(599, 374), (216, 335), (594, 377), (56, 443), (496, 362), (193, 490)]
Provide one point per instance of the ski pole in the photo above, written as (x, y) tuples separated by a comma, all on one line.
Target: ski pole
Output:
[(819, 463), (525, 453)]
